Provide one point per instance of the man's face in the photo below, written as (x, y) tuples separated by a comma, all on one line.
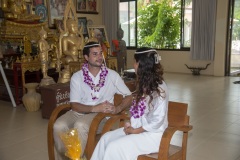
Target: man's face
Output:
[(95, 58)]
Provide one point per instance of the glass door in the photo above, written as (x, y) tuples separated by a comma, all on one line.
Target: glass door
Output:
[(233, 49)]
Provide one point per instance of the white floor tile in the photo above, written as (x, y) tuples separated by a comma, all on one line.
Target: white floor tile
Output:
[(214, 109)]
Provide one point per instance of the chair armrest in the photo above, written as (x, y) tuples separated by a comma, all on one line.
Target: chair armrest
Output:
[(91, 142), (185, 128), (166, 139), (51, 122), (111, 121)]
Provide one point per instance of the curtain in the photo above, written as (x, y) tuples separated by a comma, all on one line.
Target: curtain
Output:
[(203, 29), (110, 18)]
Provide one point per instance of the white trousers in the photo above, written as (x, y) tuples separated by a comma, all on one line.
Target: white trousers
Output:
[(68, 121), (116, 145)]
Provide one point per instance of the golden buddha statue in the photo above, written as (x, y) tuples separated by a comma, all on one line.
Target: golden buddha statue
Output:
[(72, 45), (16, 10), (92, 37), (44, 48), (53, 54)]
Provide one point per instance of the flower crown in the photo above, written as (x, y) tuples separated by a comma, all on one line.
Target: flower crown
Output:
[(157, 57), (91, 45)]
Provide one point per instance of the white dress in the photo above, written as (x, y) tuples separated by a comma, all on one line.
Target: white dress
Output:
[(116, 145)]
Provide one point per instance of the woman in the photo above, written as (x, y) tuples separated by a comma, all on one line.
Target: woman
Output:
[(148, 114)]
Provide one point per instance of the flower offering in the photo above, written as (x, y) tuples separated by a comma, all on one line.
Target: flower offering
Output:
[(72, 144)]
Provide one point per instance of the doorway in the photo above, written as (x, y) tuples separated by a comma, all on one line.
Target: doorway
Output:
[(233, 46)]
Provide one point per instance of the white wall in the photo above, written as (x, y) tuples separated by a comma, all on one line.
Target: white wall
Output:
[(175, 62)]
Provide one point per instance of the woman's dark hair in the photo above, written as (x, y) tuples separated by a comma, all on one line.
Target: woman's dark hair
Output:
[(86, 49), (149, 73)]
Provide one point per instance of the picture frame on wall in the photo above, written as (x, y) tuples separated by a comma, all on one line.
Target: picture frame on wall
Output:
[(38, 2), (82, 21), (92, 6), (56, 10), (100, 34), (81, 5), (87, 6), (41, 11), (99, 31)]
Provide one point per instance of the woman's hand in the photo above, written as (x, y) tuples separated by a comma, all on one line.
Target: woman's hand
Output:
[(128, 129)]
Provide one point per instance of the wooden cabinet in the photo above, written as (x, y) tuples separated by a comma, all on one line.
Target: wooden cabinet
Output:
[(52, 96)]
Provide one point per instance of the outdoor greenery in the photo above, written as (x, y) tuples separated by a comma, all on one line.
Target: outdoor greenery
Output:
[(236, 23), (159, 24)]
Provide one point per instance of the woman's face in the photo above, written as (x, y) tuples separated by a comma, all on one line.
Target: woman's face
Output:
[(135, 66)]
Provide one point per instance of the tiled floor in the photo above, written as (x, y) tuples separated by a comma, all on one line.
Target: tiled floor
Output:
[(214, 109)]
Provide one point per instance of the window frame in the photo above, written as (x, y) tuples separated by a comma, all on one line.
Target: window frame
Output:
[(182, 48)]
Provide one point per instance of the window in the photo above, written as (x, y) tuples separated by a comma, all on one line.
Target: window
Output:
[(161, 24), (127, 12)]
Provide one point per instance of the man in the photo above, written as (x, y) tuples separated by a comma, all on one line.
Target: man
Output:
[(92, 90)]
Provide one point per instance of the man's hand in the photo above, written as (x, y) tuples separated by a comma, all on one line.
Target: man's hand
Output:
[(126, 102), (104, 107), (116, 109)]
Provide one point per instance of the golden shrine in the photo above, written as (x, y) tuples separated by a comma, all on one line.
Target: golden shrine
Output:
[(18, 23), (23, 28)]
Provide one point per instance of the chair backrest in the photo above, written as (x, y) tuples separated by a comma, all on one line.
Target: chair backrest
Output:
[(177, 118), (177, 114)]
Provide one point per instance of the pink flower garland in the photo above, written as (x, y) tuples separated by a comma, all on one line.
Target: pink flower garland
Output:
[(138, 110), (88, 80)]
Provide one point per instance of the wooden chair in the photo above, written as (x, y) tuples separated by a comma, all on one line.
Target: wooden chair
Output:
[(178, 121), (93, 137)]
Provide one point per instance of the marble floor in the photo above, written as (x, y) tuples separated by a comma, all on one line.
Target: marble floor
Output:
[(214, 109)]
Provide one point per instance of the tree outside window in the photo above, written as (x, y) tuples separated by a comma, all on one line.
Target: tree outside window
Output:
[(161, 24)]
